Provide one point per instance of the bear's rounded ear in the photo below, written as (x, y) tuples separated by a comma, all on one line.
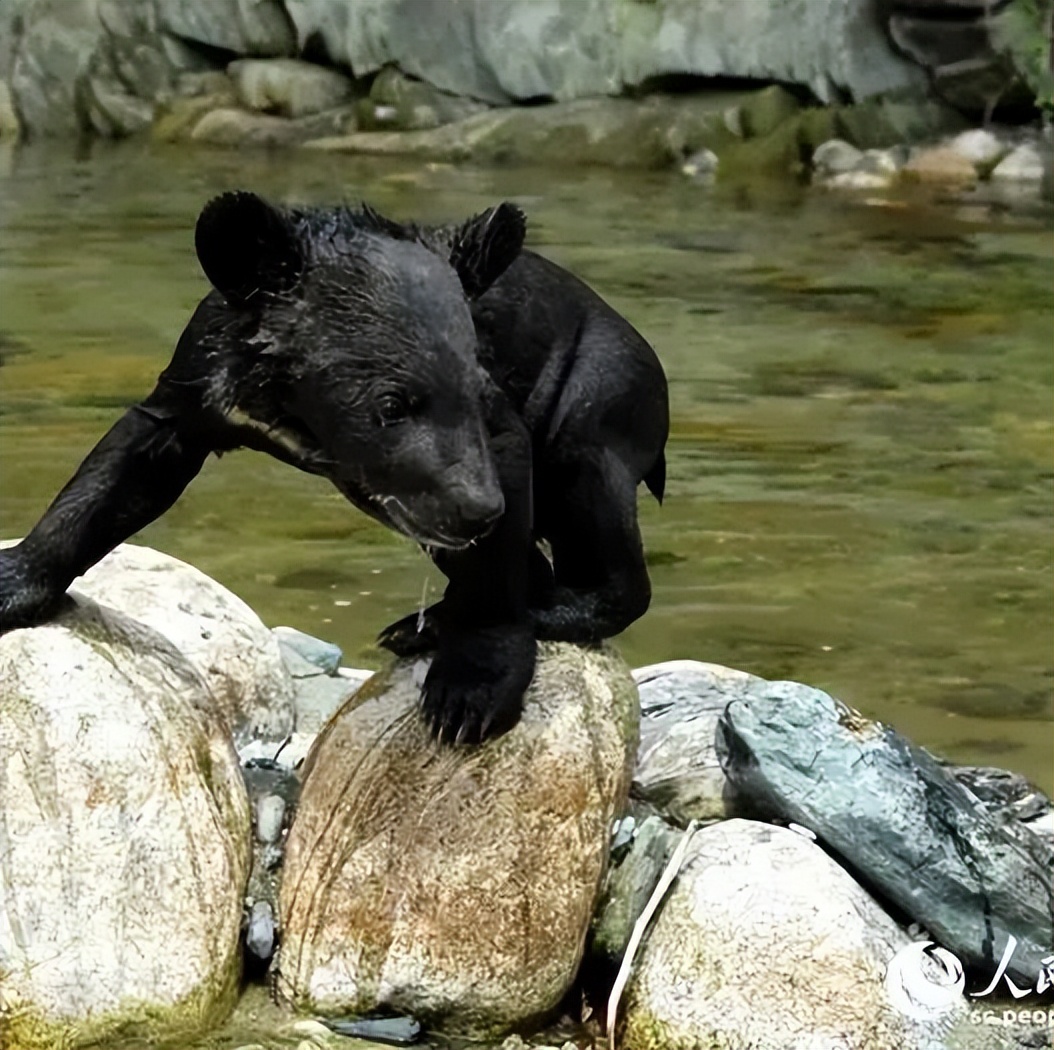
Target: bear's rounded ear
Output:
[(484, 247), (247, 247)]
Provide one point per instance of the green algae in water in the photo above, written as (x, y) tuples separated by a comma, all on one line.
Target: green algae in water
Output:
[(860, 472)]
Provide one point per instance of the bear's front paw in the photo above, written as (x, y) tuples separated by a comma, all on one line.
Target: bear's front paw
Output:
[(474, 688), (412, 635), (27, 598)]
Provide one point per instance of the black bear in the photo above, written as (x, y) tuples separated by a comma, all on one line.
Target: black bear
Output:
[(464, 391)]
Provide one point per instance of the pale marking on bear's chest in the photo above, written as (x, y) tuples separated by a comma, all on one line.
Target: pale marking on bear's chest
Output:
[(277, 435)]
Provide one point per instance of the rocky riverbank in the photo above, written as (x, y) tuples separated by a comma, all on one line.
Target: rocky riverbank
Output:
[(703, 85), (787, 858)]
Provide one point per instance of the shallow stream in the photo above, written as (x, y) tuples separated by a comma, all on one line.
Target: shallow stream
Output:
[(860, 471)]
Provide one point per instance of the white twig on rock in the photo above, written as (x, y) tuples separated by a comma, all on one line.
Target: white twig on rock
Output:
[(641, 925)]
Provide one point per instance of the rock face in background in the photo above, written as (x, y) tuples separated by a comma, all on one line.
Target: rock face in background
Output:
[(107, 66), (455, 885), (124, 835), (502, 51), (214, 629)]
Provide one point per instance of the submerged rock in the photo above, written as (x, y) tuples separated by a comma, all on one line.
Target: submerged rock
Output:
[(654, 132), (124, 836), (455, 884), (214, 629), (764, 941), (894, 815)]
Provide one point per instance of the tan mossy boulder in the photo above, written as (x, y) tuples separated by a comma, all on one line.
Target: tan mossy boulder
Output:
[(124, 836), (456, 884), (224, 640)]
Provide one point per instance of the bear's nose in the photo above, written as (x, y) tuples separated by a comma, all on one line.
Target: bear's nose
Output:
[(478, 511)]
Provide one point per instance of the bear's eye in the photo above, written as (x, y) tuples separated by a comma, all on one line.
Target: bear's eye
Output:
[(392, 409)]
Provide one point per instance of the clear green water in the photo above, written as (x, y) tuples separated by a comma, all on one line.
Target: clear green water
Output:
[(860, 466)]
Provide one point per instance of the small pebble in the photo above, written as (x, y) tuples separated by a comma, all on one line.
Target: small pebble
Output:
[(701, 165), (835, 157)]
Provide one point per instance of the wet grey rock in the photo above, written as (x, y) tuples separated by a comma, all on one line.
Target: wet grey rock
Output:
[(629, 886), (320, 696), (883, 161), (678, 768), (260, 931), (894, 815), (1006, 795), (288, 87), (320, 684)]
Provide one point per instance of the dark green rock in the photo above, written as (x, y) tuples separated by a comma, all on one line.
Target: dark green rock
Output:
[(896, 817)]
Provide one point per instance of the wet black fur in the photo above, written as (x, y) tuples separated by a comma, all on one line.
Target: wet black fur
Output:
[(470, 394)]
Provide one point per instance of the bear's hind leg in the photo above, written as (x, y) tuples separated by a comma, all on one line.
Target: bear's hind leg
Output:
[(590, 519)]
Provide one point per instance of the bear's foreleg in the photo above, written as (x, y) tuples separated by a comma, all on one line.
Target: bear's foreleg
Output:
[(485, 651), (132, 476)]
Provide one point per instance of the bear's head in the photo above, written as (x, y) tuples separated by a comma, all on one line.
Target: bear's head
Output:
[(367, 336)]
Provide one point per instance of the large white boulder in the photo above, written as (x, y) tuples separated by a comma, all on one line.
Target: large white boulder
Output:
[(124, 835), (456, 884), (764, 941), (214, 629)]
